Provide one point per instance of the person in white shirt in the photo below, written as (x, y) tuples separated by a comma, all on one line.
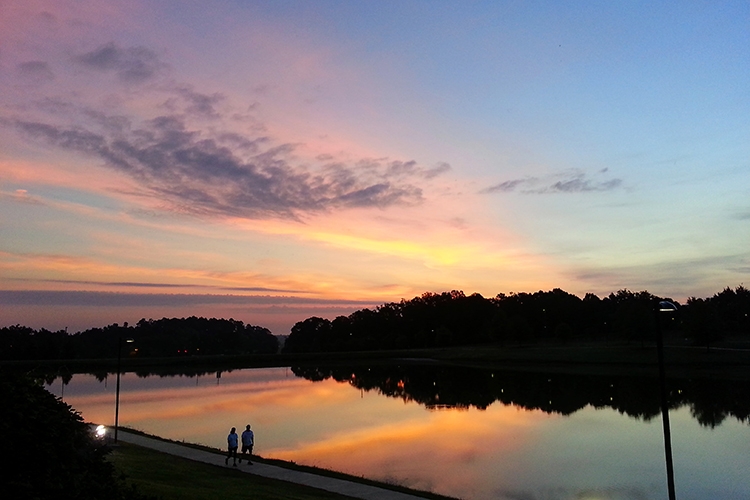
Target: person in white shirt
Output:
[(232, 447), (248, 440)]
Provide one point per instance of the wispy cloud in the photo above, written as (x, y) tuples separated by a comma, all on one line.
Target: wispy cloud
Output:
[(410, 168), (201, 104), (190, 159), (136, 284), (131, 64), (21, 196), (567, 182), (438, 169), (114, 299), (507, 186), (205, 174)]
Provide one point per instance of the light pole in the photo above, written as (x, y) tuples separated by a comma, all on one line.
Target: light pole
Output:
[(117, 391), (665, 307)]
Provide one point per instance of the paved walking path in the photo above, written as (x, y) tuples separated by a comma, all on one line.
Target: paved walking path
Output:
[(349, 488)]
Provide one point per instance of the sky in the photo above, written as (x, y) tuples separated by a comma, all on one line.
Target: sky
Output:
[(272, 161)]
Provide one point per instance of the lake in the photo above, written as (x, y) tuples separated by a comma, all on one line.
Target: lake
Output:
[(473, 434)]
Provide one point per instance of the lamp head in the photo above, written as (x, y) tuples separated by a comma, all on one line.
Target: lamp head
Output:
[(667, 306), (100, 431)]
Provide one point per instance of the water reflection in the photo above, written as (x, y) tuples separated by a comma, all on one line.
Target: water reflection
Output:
[(467, 433), (710, 401)]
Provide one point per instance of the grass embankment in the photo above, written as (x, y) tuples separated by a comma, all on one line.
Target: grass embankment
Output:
[(172, 478), (179, 364), (607, 359), (151, 470), (730, 360)]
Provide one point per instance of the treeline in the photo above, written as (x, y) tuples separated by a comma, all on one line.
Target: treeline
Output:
[(430, 320), (453, 318), (151, 338)]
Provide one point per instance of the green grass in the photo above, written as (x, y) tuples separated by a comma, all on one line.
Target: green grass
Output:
[(597, 357), (172, 478), (605, 359), (293, 466)]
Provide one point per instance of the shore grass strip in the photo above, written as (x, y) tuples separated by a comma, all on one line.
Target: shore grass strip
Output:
[(174, 478), (297, 467)]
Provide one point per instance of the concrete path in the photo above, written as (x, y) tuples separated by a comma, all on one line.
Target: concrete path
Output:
[(349, 488)]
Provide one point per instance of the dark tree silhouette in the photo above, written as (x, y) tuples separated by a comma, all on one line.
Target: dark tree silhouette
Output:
[(50, 452), (733, 310), (154, 338), (311, 335), (430, 320), (702, 322), (633, 316), (453, 318)]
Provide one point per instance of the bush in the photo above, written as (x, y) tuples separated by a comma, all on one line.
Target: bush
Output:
[(49, 451)]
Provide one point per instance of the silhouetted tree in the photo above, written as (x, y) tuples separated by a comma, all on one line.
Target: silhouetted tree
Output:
[(165, 337), (311, 335), (429, 320), (50, 452), (633, 314), (732, 308), (701, 322)]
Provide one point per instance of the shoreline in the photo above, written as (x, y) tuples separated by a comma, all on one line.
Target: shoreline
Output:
[(321, 478), (584, 358)]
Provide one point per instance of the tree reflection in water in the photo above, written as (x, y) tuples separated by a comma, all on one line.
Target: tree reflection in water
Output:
[(710, 401)]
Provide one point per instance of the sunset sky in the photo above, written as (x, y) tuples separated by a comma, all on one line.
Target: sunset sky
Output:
[(270, 161)]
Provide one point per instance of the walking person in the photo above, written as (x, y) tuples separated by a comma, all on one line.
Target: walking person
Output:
[(248, 440), (232, 447)]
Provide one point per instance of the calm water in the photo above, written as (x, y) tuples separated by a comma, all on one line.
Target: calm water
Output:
[(482, 447)]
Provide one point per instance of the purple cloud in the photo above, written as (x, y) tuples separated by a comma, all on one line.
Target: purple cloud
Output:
[(132, 64), (208, 174), (575, 182)]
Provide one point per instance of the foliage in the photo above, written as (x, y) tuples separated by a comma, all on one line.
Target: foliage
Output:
[(429, 320), (701, 321), (453, 318), (154, 338), (50, 452)]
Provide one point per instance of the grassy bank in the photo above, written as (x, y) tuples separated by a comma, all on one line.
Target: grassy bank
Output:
[(172, 478), (146, 466), (606, 359), (576, 358)]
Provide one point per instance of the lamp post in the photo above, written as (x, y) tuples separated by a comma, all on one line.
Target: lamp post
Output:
[(663, 307), (117, 391)]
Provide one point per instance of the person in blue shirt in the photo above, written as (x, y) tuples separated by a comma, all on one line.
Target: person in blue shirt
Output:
[(248, 440), (232, 442)]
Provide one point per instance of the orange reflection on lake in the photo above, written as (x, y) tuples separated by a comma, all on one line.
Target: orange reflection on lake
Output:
[(202, 409), (398, 450), (502, 452)]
